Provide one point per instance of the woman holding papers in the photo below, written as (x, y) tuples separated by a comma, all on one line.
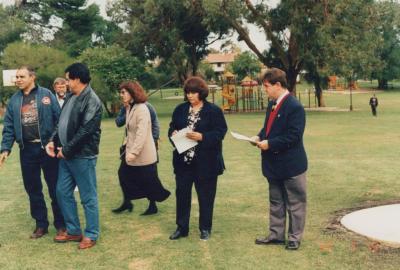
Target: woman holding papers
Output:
[(138, 170), (204, 125)]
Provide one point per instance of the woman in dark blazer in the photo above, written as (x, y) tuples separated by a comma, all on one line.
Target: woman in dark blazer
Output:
[(201, 164)]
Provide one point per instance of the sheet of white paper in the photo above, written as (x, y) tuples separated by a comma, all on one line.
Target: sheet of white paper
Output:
[(182, 143), (241, 137)]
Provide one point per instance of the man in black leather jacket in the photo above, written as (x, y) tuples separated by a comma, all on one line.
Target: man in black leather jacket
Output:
[(77, 138)]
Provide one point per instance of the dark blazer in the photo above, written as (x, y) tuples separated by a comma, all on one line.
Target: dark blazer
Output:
[(286, 156), (208, 154)]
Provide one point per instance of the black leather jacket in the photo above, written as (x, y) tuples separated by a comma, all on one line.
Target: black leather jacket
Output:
[(83, 134)]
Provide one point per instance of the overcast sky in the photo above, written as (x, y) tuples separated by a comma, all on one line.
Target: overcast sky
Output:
[(257, 36)]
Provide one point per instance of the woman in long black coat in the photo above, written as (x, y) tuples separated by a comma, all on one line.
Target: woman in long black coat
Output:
[(201, 164), (138, 170)]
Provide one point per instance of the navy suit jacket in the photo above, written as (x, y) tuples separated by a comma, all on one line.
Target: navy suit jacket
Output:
[(286, 156), (208, 159)]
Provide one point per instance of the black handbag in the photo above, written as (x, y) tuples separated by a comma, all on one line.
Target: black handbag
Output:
[(122, 150)]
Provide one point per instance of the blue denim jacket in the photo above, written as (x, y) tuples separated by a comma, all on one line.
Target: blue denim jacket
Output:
[(48, 110)]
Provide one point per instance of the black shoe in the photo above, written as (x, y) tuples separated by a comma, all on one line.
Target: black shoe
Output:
[(125, 206), (293, 245), (178, 234), (151, 210), (38, 232), (205, 235), (267, 241)]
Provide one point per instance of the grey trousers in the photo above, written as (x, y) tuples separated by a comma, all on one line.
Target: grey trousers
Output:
[(289, 196)]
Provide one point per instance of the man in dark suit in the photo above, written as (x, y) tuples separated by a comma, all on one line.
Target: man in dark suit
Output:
[(284, 162), (373, 102)]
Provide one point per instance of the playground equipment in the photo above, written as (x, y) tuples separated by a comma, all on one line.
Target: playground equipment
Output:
[(229, 93), (336, 83), (353, 85), (252, 98)]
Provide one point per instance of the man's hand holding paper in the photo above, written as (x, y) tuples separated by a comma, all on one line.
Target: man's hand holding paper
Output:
[(253, 140)]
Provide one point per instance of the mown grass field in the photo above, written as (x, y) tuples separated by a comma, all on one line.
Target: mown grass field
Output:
[(353, 160)]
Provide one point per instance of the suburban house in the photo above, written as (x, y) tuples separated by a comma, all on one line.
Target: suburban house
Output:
[(219, 61)]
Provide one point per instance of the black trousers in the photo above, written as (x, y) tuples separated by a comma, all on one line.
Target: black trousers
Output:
[(206, 190), (373, 109), (33, 159)]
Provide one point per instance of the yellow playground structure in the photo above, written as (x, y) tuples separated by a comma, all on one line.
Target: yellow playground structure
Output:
[(229, 94), (250, 96)]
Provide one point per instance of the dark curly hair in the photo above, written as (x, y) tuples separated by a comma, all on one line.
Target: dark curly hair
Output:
[(196, 84)]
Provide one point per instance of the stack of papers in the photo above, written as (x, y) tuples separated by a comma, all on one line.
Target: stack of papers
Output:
[(182, 143)]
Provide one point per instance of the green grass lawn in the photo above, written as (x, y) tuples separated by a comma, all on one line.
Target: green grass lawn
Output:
[(353, 159)]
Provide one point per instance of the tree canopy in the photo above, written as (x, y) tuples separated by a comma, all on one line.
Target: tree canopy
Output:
[(111, 66), (349, 38), (69, 25), (173, 30), (299, 32), (389, 52), (246, 64), (11, 26), (49, 63)]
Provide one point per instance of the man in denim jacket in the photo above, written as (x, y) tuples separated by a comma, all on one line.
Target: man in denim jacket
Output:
[(31, 116)]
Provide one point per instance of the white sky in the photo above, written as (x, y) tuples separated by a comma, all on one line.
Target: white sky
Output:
[(256, 35)]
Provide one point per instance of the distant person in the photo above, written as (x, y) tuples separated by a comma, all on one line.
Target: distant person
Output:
[(138, 170), (30, 119), (76, 143), (284, 162), (373, 102), (201, 164), (60, 89)]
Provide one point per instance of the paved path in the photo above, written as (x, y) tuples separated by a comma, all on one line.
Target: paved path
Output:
[(380, 223)]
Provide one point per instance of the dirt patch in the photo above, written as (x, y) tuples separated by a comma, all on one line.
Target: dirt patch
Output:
[(336, 229), (207, 257), (175, 97), (347, 92), (327, 109), (142, 264), (149, 233), (4, 205)]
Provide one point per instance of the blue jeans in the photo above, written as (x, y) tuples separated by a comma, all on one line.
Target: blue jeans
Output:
[(79, 172)]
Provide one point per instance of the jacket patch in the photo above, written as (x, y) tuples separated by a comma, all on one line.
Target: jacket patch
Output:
[(46, 101)]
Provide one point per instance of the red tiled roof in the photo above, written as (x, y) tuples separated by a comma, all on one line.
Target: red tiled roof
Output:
[(220, 57)]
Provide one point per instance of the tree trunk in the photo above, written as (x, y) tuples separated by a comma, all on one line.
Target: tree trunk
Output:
[(291, 75), (109, 113), (383, 84), (318, 91), (193, 60)]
